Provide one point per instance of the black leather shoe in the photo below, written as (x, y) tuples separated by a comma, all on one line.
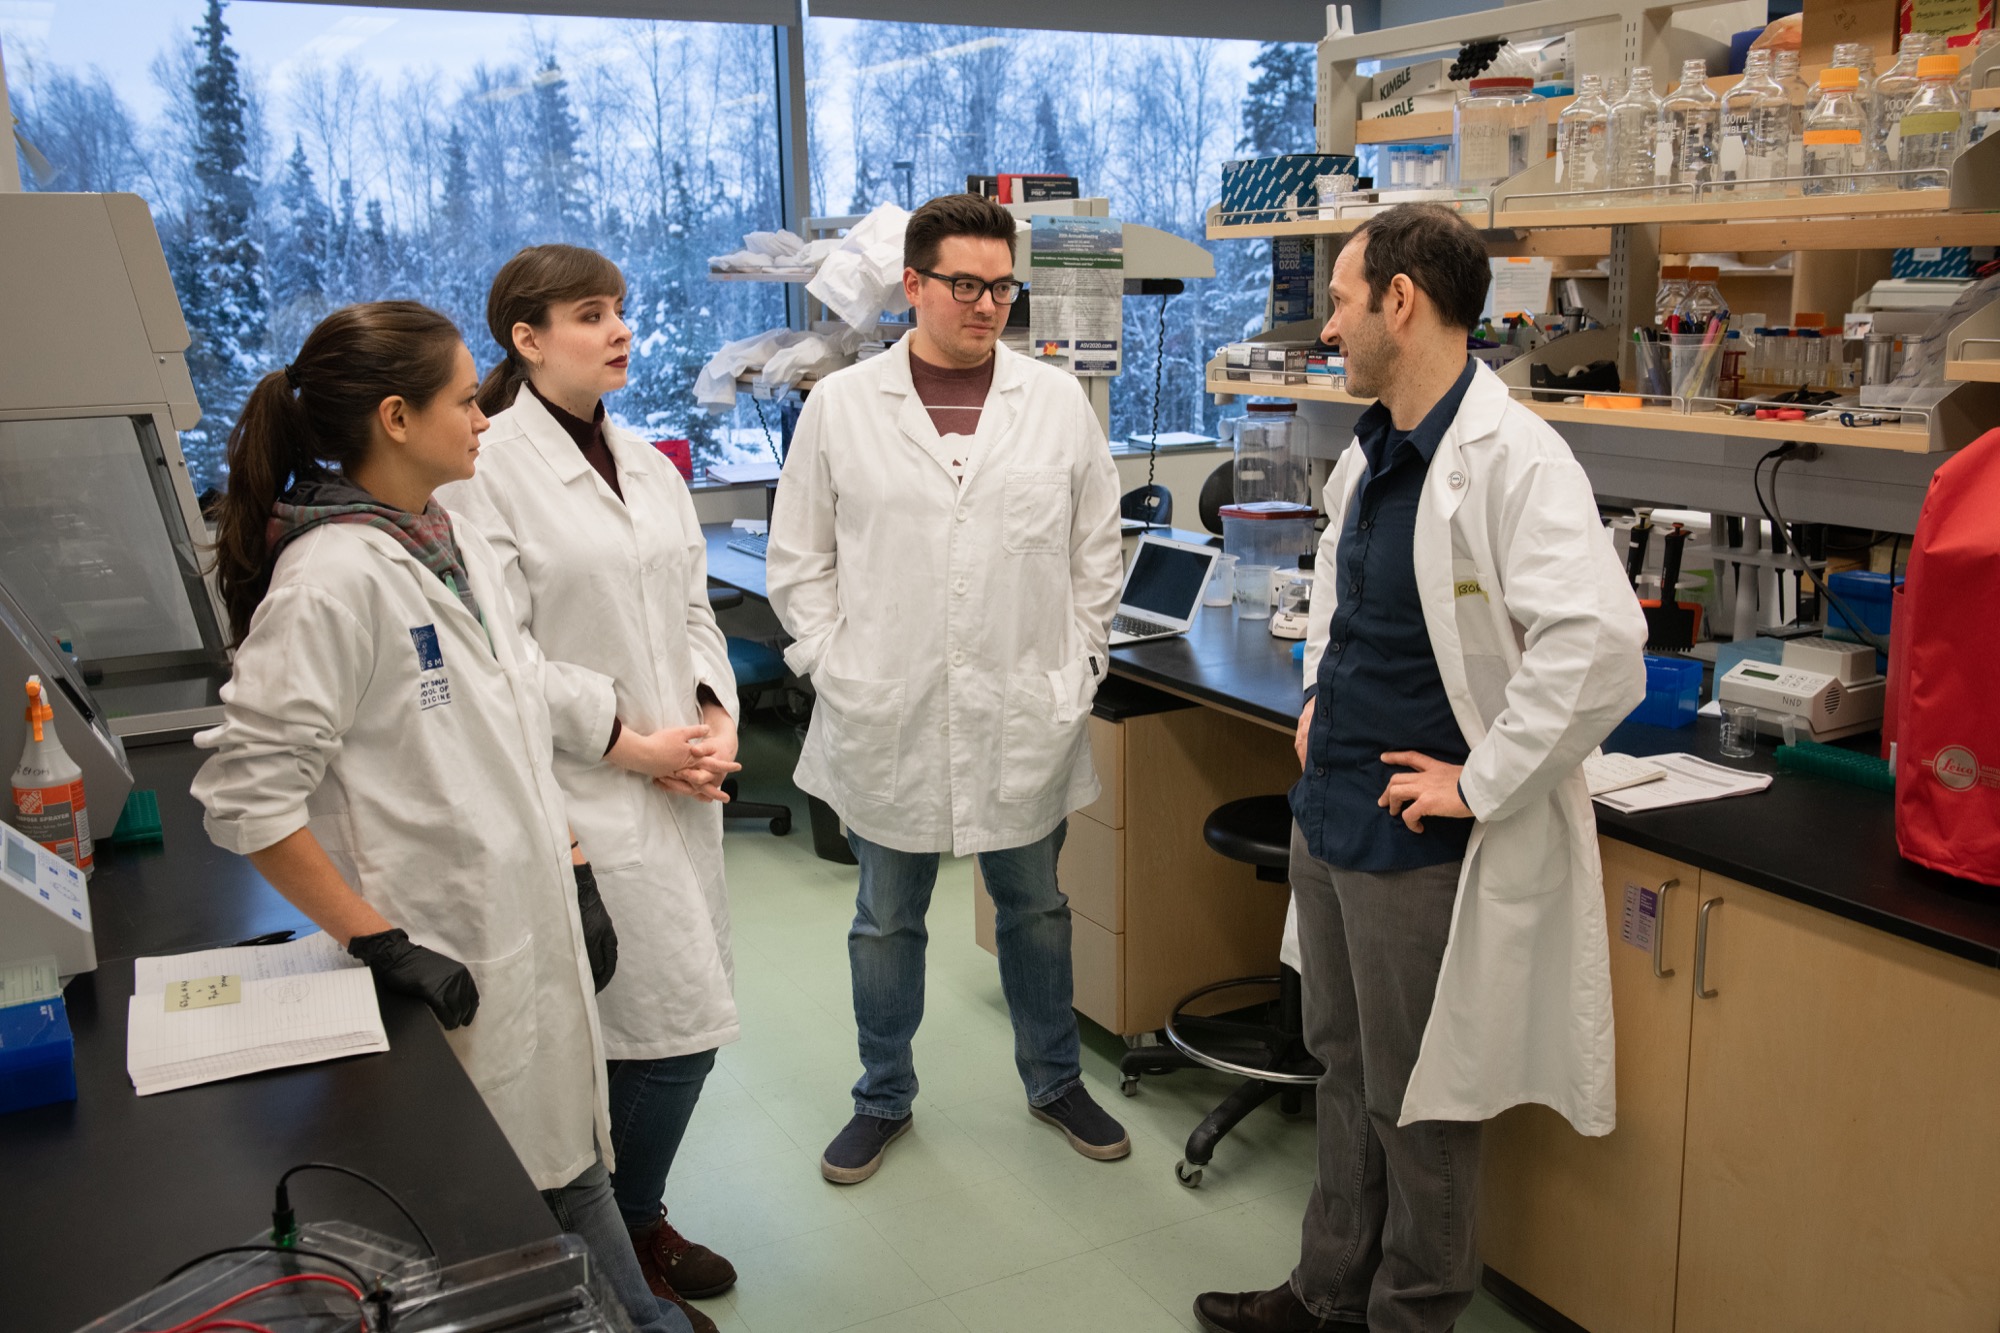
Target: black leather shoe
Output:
[(1278, 1310)]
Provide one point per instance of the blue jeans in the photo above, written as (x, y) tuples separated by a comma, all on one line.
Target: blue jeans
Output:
[(584, 1209), (885, 953), (651, 1101)]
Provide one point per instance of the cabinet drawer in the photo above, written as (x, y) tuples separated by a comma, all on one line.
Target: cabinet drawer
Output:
[(1091, 871), (1107, 756)]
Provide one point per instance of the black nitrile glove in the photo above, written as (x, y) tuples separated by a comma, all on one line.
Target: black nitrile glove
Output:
[(600, 940), (440, 982)]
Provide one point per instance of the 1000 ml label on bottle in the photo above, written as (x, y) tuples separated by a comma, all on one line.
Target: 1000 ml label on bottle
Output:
[(56, 818)]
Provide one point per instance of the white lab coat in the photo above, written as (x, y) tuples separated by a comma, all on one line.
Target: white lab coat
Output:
[(955, 634), (616, 595), (367, 705), (1538, 639)]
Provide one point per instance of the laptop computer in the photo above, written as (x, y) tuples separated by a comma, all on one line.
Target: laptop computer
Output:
[(1163, 589)]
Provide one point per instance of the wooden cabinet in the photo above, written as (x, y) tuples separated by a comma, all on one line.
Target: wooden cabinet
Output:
[(1591, 1225), (1155, 913), (1843, 1128), (1813, 1143)]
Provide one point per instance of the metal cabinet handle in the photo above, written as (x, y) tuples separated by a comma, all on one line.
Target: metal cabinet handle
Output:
[(1660, 929), (1701, 990)]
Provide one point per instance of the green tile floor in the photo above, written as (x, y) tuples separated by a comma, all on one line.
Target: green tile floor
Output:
[(980, 1218)]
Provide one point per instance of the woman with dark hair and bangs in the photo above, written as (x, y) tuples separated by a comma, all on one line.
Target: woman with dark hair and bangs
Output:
[(607, 569), (385, 757)]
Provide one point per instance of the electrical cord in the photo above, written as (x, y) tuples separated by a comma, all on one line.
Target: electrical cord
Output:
[(769, 443), (1777, 458), (207, 1318), (1159, 370), (324, 1258), (284, 1224)]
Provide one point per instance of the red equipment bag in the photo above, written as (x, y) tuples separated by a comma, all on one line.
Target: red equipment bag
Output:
[(1948, 637)]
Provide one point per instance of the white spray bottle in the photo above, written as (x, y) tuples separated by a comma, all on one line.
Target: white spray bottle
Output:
[(48, 788)]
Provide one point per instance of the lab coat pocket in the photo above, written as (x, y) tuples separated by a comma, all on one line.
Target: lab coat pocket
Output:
[(1074, 687), (864, 724), (1525, 855), (497, 1045), (607, 810), (1037, 747), (1037, 511)]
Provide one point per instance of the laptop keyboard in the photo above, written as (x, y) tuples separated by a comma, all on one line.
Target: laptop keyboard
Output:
[(1135, 626), (752, 543)]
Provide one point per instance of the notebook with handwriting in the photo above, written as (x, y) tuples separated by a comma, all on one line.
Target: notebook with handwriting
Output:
[(217, 1013)]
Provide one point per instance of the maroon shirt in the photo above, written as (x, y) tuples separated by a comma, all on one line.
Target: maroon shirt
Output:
[(589, 438), (954, 398)]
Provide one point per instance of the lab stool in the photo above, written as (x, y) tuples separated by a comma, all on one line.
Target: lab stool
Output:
[(1264, 1044), (757, 667)]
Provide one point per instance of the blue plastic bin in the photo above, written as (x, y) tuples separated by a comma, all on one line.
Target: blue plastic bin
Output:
[(37, 1055), (1673, 692), (1868, 593)]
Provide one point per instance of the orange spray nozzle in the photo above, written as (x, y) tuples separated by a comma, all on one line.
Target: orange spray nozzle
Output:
[(38, 707)]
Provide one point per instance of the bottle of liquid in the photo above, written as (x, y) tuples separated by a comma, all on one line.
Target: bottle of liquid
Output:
[(1893, 92), (1756, 130), (1835, 130), (1980, 119), (1859, 57), (1581, 162), (1634, 128), (1933, 128), (48, 789), (1690, 124), (1673, 290), (1785, 70)]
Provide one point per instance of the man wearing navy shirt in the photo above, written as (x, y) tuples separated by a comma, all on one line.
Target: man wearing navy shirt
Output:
[(1477, 640)]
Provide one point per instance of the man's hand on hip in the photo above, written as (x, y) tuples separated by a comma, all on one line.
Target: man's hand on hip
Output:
[(1305, 728), (1430, 788)]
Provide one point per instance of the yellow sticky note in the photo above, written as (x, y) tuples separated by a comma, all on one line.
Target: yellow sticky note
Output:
[(204, 993)]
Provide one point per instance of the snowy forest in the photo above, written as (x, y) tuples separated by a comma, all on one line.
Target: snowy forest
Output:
[(281, 193)]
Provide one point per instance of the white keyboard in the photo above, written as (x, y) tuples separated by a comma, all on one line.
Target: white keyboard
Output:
[(1136, 627)]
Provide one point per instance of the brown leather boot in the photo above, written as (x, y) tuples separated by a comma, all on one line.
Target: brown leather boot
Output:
[(695, 1271), (1278, 1310), (657, 1283)]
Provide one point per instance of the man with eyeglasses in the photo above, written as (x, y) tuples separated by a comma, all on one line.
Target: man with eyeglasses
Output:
[(944, 551)]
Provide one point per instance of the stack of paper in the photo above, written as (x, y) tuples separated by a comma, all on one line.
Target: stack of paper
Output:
[(1610, 772), (1687, 781), (199, 1017)]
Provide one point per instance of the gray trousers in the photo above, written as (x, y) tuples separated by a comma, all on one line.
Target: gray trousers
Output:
[(1388, 1232)]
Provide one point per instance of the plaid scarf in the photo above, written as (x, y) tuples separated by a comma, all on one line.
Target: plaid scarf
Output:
[(426, 536)]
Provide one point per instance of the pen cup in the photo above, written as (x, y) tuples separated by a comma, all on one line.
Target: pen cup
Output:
[(1739, 731), (1253, 591), (1221, 589)]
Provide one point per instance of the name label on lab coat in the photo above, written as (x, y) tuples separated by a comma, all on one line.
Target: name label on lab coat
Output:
[(433, 685)]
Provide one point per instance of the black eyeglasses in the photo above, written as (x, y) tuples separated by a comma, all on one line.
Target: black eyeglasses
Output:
[(968, 290)]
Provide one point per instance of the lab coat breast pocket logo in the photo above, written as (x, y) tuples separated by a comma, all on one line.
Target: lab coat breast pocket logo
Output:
[(1037, 511), (433, 685)]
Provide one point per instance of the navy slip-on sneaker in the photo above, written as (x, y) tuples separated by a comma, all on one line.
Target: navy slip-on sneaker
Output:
[(857, 1150), (1088, 1127)]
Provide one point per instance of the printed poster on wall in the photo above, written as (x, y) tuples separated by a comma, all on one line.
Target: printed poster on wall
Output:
[(1077, 270)]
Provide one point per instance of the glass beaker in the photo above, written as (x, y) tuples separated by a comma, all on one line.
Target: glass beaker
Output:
[(1221, 587), (1253, 591)]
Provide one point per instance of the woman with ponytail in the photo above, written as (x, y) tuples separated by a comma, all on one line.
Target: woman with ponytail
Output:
[(607, 569), (386, 750)]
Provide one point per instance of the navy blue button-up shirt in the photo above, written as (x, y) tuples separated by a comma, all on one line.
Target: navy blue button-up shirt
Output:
[(1378, 688)]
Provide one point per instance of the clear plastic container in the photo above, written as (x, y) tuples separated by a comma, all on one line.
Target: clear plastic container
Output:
[(1703, 302), (1892, 93), (1498, 128), (1673, 290), (1690, 125), (1267, 533), (1835, 135), (1933, 129), (1981, 120), (1634, 128), (1756, 131), (1785, 71), (1581, 138), (1270, 458)]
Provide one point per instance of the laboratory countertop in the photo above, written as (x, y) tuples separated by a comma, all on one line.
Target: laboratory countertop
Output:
[(113, 1191), (1827, 844)]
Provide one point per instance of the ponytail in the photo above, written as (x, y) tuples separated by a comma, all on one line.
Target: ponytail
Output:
[(270, 439), (319, 413), (523, 290)]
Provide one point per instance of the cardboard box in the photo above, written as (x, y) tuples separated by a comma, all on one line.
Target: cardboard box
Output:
[(1408, 105), (1827, 22), (1426, 76)]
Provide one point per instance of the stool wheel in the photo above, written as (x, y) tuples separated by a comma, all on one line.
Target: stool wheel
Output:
[(782, 825), (1189, 1176), (1129, 1085)]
